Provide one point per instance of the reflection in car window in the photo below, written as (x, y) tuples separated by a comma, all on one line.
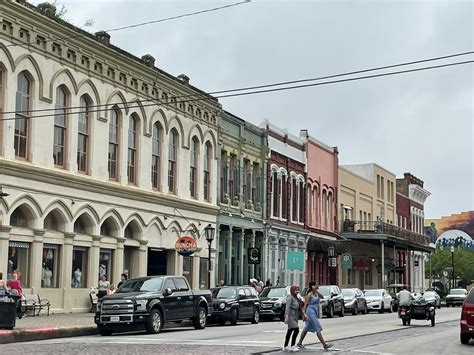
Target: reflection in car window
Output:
[(457, 292), (181, 284), (374, 293), (347, 292), (241, 292), (141, 285), (325, 290), (274, 292), (226, 293), (470, 297), (248, 293), (170, 284)]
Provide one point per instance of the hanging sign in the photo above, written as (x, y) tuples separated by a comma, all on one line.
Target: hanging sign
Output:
[(253, 256), (346, 261), (295, 260), (186, 245)]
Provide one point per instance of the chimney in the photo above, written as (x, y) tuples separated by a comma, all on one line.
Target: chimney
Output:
[(47, 9), (149, 60), (304, 134), (184, 78), (103, 37)]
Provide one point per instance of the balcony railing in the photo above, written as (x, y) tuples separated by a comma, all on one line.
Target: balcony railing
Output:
[(349, 226)]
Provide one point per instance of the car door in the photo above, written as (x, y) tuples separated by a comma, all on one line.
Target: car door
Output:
[(250, 301), (338, 299), (360, 299), (184, 299), (170, 301), (243, 304), (387, 300)]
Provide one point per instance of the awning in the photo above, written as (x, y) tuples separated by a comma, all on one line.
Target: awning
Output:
[(389, 241), (322, 245)]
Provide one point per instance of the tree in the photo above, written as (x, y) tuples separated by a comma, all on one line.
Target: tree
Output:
[(463, 264)]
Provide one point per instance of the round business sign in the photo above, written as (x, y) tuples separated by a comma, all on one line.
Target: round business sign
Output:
[(346, 258), (186, 245)]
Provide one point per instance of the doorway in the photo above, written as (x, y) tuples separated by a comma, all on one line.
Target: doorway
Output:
[(157, 261)]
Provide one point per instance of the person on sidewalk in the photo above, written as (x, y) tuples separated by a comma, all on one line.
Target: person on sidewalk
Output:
[(15, 284), (103, 287), (310, 312), (3, 285), (123, 278), (294, 307)]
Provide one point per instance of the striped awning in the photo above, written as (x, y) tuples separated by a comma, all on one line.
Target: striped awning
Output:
[(19, 245), (51, 246)]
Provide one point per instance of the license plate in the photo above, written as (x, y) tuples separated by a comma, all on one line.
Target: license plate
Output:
[(115, 319), (402, 313)]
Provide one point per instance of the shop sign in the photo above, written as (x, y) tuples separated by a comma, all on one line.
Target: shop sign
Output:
[(361, 266), (295, 260), (332, 262), (253, 256), (186, 245), (346, 261)]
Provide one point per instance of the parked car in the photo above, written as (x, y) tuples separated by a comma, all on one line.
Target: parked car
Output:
[(234, 303), (432, 297), (273, 300), (149, 302), (333, 302), (378, 300), (467, 318), (354, 301), (456, 296)]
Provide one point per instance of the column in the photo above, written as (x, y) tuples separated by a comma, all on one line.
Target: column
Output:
[(195, 274), (252, 244), (36, 259), (140, 260), (240, 277), (118, 261), (228, 280), (66, 261), (93, 259), (4, 245), (383, 264)]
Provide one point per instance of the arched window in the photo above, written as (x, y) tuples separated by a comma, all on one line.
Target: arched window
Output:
[(114, 139), (83, 135), (315, 205), (132, 150), (172, 161), (294, 199), (194, 161), (59, 147), (22, 119), (207, 171), (330, 217), (1, 106), (301, 202), (282, 196), (19, 218), (156, 156), (324, 212)]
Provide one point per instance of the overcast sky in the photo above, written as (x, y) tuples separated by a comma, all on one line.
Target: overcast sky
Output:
[(420, 123)]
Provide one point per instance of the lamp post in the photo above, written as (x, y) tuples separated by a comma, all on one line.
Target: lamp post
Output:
[(209, 232), (452, 265)]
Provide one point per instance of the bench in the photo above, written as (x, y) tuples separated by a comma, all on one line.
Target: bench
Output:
[(93, 299), (34, 304)]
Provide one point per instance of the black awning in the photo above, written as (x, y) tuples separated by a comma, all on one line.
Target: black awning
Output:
[(321, 245), (389, 240)]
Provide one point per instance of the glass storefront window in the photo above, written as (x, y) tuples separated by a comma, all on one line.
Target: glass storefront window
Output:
[(79, 267), (18, 262), (127, 260), (105, 263), (49, 274)]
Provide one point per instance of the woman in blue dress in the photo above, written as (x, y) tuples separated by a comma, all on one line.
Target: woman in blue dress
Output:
[(310, 312)]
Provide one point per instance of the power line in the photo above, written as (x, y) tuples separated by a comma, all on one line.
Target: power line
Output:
[(145, 23), (271, 84), (206, 97)]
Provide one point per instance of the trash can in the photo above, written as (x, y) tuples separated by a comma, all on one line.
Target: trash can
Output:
[(7, 313)]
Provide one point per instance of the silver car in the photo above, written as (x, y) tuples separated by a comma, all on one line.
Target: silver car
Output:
[(432, 297), (378, 300)]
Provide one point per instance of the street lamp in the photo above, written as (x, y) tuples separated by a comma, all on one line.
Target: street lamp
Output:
[(209, 233), (452, 264)]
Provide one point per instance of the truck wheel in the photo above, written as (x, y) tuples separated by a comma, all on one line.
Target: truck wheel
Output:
[(233, 317), (200, 320), (465, 339), (104, 331), (256, 316), (154, 323)]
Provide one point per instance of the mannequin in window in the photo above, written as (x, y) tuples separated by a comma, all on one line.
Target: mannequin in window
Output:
[(77, 278), (47, 275)]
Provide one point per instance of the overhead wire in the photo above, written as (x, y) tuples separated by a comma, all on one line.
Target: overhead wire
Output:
[(205, 96)]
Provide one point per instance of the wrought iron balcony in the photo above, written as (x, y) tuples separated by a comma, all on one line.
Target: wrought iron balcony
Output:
[(349, 226)]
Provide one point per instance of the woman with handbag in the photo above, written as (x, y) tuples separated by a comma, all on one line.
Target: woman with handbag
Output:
[(293, 310)]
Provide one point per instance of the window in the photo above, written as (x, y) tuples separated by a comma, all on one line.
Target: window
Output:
[(181, 284), (255, 184), (1, 105), (301, 202), (83, 135), (60, 127), (324, 204), (172, 161), (79, 267), (114, 134), (169, 283), (315, 207), (294, 200), (330, 219), (194, 159), (283, 196), (224, 176), (79, 226), (381, 187), (19, 262), (207, 171), (232, 177), (19, 219), (50, 271), (156, 156), (105, 263), (246, 181), (275, 197), (132, 150), (22, 122)]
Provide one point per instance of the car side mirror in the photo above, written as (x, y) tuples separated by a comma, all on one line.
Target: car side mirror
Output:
[(167, 292), (333, 294)]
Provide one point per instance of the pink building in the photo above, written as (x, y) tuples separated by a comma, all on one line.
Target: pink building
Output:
[(321, 208)]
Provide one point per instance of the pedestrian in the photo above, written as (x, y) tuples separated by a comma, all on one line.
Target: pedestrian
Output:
[(268, 283), (294, 307), (221, 283), (103, 287), (112, 289), (15, 284), (123, 278), (310, 313), (3, 285)]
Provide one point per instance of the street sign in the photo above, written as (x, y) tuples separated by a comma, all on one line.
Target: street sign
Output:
[(295, 260), (445, 273), (253, 255)]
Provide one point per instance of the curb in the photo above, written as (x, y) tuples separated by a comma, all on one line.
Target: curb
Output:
[(32, 334)]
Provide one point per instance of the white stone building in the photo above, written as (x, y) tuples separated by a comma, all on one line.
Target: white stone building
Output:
[(104, 161)]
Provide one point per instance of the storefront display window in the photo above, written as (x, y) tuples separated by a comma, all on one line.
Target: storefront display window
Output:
[(105, 263), (79, 267), (18, 262), (49, 275)]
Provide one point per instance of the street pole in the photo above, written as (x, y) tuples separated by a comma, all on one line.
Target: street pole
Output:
[(452, 265), (431, 280), (209, 266)]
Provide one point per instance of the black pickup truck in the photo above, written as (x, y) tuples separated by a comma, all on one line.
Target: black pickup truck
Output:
[(149, 302)]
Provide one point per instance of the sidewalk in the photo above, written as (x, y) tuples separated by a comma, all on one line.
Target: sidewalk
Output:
[(48, 327)]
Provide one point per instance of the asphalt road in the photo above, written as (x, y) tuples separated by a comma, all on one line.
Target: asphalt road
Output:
[(362, 334)]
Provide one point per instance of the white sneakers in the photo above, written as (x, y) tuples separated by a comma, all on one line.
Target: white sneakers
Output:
[(290, 349)]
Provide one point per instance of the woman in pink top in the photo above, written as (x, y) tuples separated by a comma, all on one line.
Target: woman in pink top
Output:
[(15, 284)]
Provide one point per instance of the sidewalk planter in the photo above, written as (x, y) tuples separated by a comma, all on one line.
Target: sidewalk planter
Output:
[(7, 314)]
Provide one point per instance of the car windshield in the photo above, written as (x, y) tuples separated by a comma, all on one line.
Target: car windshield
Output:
[(429, 294), (325, 290), (457, 292), (374, 293), (141, 285), (225, 293), (274, 292), (347, 292)]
